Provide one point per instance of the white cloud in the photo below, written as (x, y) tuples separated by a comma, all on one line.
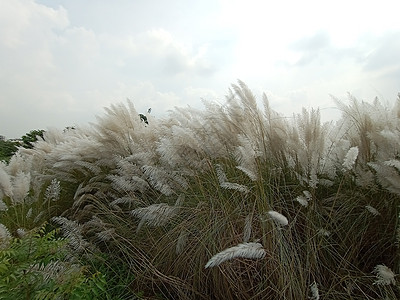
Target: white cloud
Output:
[(63, 60), (58, 73), (22, 22)]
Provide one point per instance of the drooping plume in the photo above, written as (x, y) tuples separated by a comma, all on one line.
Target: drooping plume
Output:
[(245, 250)]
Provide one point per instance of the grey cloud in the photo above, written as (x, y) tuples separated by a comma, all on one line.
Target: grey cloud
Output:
[(312, 48), (372, 53)]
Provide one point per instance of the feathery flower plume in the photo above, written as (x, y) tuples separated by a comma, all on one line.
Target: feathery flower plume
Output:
[(302, 200), (223, 181), (278, 218), (308, 195), (5, 182), (123, 200), (323, 232), (372, 210), (314, 180), (180, 200), (220, 174), (5, 237), (53, 190), (56, 270), (325, 182), (350, 158), (393, 163), (73, 232), (246, 250), (314, 291), (106, 235), (155, 215), (29, 213), (247, 227), (21, 232), (248, 172), (235, 186), (384, 275), (164, 180), (21, 186), (3, 206), (38, 217), (182, 241)]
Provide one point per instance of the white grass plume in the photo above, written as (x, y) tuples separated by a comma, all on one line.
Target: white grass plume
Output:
[(278, 218), (393, 163), (245, 250), (155, 215), (384, 275), (248, 172), (59, 271), (182, 241), (53, 190), (5, 181), (3, 206), (223, 181), (302, 200), (220, 174), (21, 232), (29, 213), (164, 180), (73, 232), (106, 235), (247, 227), (21, 186), (314, 291), (308, 195), (350, 158), (323, 232), (123, 200), (372, 210), (5, 237), (128, 183), (235, 186)]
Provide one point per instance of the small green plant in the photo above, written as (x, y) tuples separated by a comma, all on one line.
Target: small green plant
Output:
[(40, 266)]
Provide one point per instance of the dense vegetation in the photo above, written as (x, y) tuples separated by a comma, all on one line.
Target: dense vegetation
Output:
[(229, 202), (9, 147)]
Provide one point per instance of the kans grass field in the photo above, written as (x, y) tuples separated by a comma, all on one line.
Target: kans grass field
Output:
[(233, 201)]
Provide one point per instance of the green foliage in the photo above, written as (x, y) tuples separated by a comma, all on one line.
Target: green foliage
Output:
[(117, 272), (39, 266), (7, 149), (31, 137)]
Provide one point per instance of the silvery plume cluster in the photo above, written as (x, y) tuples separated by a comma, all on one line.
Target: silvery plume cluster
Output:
[(235, 194)]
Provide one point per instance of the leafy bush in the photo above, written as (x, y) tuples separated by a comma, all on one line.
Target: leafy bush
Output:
[(7, 149), (40, 266)]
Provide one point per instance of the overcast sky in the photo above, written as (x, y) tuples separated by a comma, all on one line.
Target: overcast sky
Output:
[(62, 61)]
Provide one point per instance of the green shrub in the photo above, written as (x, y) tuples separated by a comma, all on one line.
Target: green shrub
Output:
[(40, 266)]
